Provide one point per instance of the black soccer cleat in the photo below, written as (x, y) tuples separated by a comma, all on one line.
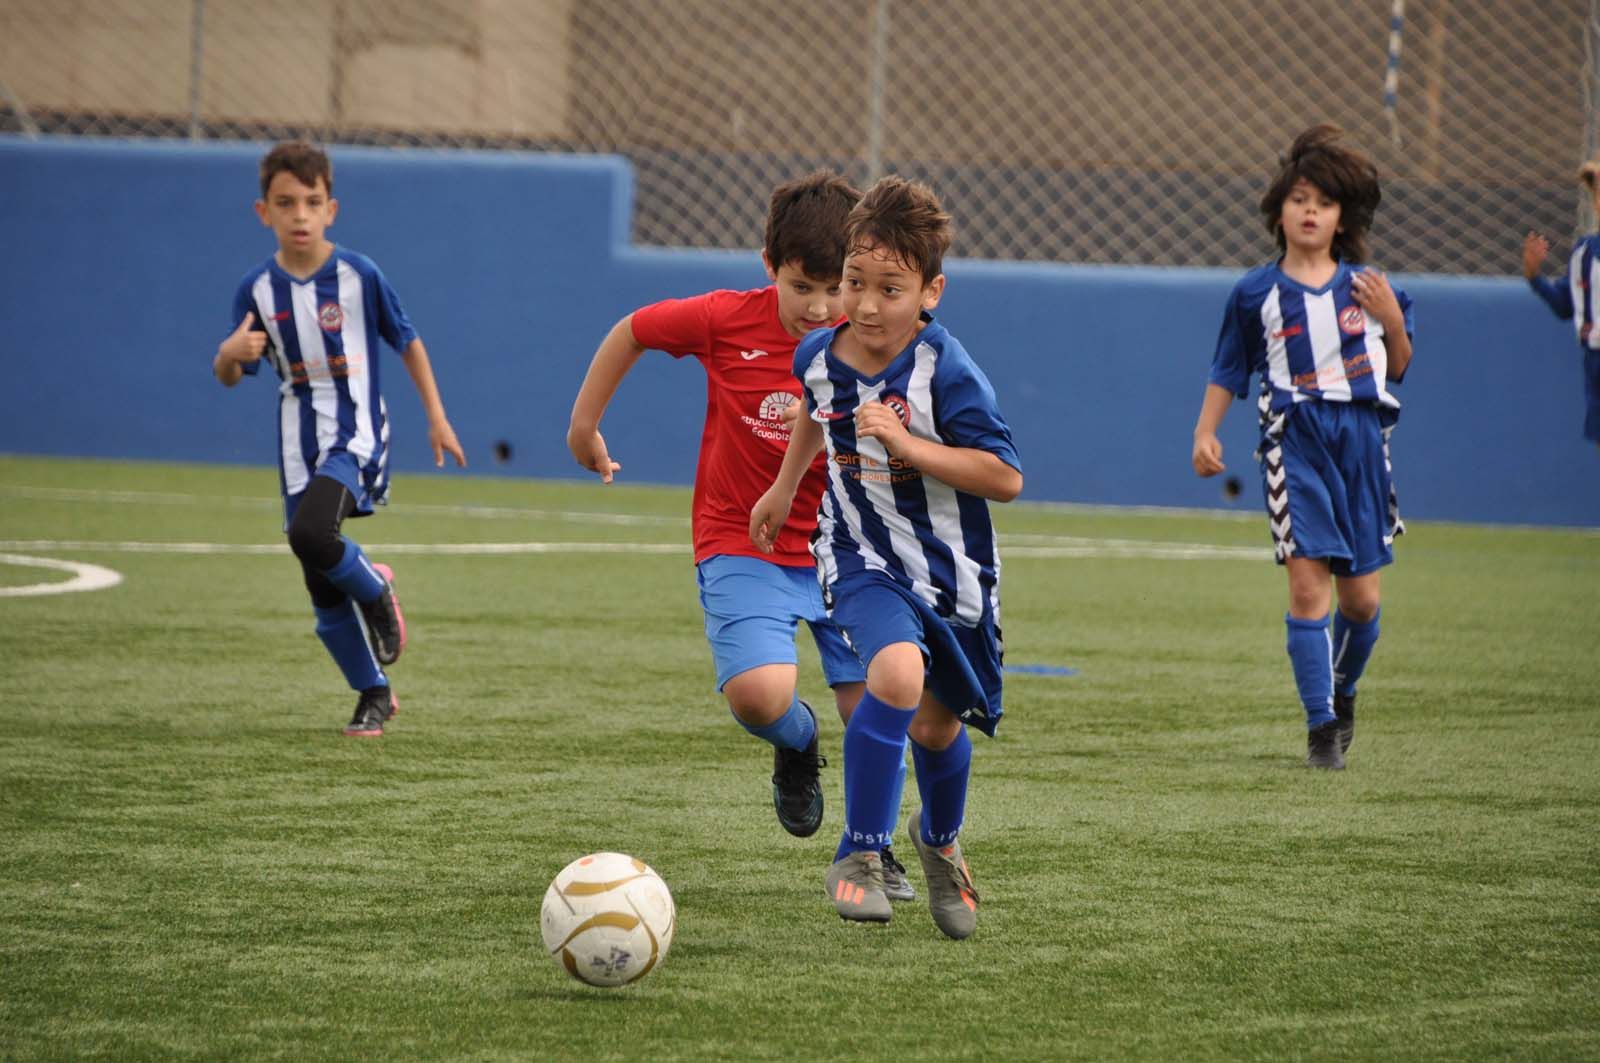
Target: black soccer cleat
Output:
[(373, 709), (796, 788), (1344, 710), (1322, 747), (386, 625)]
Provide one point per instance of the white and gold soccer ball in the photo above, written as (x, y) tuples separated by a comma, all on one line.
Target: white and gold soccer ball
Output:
[(608, 919)]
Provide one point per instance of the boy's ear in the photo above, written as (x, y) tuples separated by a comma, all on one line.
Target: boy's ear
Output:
[(931, 294), (333, 209), (261, 212), (766, 261)]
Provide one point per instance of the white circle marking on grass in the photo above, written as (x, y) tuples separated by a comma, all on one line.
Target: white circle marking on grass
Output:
[(85, 577)]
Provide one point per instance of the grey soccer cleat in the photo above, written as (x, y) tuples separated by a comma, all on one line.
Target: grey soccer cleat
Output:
[(951, 896), (1322, 747), (855, 885), (895, 883), (1344, 710)]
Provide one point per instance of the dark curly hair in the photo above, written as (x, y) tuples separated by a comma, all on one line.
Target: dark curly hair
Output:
[(1344, 175)]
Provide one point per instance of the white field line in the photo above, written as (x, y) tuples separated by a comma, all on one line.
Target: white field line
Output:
[(164, 498), (84, 577)]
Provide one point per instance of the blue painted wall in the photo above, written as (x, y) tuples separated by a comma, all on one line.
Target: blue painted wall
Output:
[(121, 259)]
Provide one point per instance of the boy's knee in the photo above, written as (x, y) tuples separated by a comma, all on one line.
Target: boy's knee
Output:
[(935, 732), (895, 675), (315, 543)]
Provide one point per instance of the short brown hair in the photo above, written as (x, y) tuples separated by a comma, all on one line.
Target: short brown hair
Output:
[(306, 161), (805, 223), (905, 218), (1344, 175)]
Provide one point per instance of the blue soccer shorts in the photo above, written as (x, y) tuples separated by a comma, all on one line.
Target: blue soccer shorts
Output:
[(752, 610), (342, 466), (1329, 493), (963, 664)]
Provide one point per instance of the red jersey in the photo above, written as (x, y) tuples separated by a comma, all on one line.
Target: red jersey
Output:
[(749, 363)]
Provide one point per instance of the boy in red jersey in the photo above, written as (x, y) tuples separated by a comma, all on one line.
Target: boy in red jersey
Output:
[(753, 602)]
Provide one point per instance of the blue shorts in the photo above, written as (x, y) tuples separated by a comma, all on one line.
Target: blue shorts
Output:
[(752, 609), (963, 663), (343, 467), (1330, 496), (1591, 394)]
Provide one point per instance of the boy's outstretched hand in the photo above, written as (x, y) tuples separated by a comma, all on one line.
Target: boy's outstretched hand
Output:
[(442, 438), (1534, 248), (589, 448)]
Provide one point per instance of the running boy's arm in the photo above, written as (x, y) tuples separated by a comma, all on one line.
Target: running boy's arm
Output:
[(771, 511), (441, 437), (1207, 455), (977, 472), (243, 346), (616, 355), (1557, 295)]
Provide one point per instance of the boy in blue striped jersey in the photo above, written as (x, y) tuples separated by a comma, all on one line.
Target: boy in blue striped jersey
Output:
[(905, 549), (1574, 297), (1327, 336), (317, 311)]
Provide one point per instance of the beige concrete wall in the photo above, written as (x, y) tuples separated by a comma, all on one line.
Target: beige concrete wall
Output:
[(492, 67)]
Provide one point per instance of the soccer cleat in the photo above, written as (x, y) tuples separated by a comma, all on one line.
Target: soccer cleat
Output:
[(855, 885), (1322, 747), (895, 884), (386, 626), (796, 788), (1344, 710), (375, 707), (951, 896)]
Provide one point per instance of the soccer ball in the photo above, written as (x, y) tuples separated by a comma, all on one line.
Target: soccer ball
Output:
[(608, 919)]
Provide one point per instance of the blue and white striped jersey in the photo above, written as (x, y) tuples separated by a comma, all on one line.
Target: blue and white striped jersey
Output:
[(1306, 343), (1574, 296), (879, 513), (322, 340)]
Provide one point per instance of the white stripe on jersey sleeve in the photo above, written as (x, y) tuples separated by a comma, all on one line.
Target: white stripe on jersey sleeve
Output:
[(944, 512), (358, 350), (1327, 346)]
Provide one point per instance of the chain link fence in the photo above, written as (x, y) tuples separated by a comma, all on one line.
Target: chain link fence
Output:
[(1085, 131)]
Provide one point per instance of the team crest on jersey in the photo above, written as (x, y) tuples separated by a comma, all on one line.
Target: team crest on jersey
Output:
[(773, 405), (898, 403), (1352, 320), (330, 317)]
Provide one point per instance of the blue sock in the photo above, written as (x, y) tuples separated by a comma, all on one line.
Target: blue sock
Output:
[(942, 781), (874, 764), (341, 630), (1311, 654), (793, 730), (1352, 645), (354, 574)]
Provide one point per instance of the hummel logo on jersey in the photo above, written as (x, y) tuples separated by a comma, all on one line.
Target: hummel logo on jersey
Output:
[(757, 353), (1292, 330)]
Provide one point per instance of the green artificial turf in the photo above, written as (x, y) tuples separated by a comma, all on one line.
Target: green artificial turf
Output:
[(196, 865)]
